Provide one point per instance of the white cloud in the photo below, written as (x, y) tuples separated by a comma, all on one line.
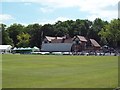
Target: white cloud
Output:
[(46, 9), (27, 3), (105, 14), (93, 7), (84, 4), (92, 17), (100, 9), (61, 19), (5, 17), (52, 21)]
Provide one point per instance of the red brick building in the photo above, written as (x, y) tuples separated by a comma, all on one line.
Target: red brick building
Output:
[(67, 44)]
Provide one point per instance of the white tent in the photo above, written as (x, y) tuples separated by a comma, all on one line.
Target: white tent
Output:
[(15, 48), (35, 49), (5, 48)]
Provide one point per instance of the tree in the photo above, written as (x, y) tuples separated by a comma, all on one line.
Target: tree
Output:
[(61, 28), (82, 27), (36, 34), (6, 40), (24, 40), (48, 30), (97, 26), (33, 34), (69, 25), (112, 32), (103, 35), (15, 30)]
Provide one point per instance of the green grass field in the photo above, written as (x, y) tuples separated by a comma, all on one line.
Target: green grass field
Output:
[(40, 71)]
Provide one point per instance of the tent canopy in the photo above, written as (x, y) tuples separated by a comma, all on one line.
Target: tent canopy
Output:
[(5, 47)]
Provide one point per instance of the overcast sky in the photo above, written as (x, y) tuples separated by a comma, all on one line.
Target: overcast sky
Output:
[(50, 11)]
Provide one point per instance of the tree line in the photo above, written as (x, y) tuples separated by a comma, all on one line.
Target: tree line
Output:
[(104, 32)]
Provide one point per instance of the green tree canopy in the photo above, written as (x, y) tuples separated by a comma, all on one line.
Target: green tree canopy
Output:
[(111, 32), (24, 40), (5, 36), (33, 34), (15, 30)]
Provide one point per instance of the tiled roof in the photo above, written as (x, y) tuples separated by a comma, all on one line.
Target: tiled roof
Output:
[(94, 43), (69, 40), (49, 38), (56, 41), (82, 38)]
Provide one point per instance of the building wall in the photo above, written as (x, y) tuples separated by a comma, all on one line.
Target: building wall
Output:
[(62, 47), (5, 49)]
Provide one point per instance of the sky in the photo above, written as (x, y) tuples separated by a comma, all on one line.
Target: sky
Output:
[(50, 11)]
